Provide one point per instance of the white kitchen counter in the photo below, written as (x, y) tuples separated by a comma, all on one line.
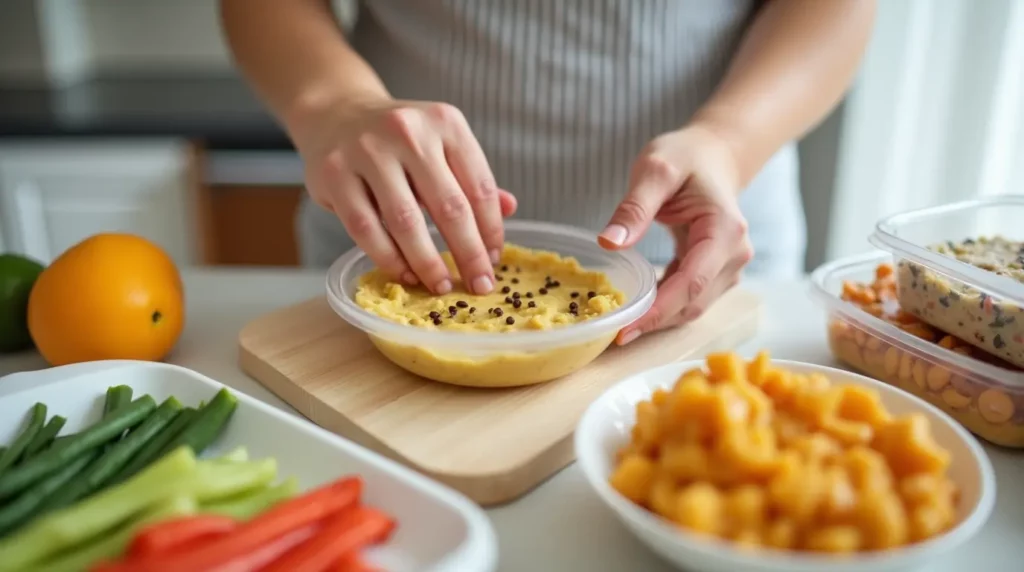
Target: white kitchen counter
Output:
[(560, 526)]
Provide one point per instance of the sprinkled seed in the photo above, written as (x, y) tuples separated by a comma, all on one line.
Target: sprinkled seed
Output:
[(574, 295), (591, 294), (434, 315), (510, 320), (437, 321), (529, 294), (462, 304), (499, 277), (532, 304), (515, 281), (506, 290), (504, 267), (472, 309), (508, 299), (498, 312), (556, 284), (547, 279), (516, 303), (573, 306), (543, 290), (515, 294)]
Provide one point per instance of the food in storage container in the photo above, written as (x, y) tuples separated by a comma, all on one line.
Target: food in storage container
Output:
[(506, 358), (960, 269), (871, 334)]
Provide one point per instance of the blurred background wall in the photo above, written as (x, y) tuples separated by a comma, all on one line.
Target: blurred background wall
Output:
[(934, 116)]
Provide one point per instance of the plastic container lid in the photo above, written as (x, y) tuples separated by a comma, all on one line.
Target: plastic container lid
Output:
[(908, 235)]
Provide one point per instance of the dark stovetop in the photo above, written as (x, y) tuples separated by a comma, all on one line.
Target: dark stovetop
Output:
[(219, 110)]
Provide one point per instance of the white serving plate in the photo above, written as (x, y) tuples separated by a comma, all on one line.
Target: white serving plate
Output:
[(438, 529), (605, 427)]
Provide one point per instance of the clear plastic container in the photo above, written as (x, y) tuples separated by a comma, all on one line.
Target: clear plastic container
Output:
[(976, 305), (986, 398), (504, 359)]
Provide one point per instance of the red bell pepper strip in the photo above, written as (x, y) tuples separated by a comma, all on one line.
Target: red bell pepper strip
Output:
[(353, 563), (344, 534), (165, 536)]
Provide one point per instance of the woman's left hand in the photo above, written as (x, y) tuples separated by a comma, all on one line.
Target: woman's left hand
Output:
[(687, 180)]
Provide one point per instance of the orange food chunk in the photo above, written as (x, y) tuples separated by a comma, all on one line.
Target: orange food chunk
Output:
[(633, 477), (700, 508), (908, 446), (725, 366)]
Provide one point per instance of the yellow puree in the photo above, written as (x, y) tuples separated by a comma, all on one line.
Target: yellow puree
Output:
[(562, 293)]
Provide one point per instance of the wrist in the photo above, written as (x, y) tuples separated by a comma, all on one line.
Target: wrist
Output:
[(308, 109), (726, 126)]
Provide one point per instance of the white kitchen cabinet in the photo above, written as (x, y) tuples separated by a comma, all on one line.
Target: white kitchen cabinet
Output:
[(54, 194)]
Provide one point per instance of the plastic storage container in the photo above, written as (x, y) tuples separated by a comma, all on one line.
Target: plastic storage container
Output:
[(976, 305), (511, 358), (986, 398)]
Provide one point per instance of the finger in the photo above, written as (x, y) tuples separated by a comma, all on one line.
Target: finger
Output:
[(469, 165), (508, 202), (653, 181), (352, 205), (700, 266), (669, 271), (404, 221), (454, 216)]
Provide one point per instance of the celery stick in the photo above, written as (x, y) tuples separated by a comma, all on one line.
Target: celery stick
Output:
[(111, 546), (218, 480), (248, 505), (172, 475), (236, 455)]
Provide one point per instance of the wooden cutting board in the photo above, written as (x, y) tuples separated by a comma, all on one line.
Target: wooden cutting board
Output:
[(493, 445)]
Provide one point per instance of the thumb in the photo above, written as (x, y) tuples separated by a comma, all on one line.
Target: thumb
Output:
[(654, 181)]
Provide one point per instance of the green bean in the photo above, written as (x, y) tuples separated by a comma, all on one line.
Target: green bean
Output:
[(23, 508), (50, 461), (45, 437), (99, 473), (207, 425), (117, 397), (151, 451), (14, 451)]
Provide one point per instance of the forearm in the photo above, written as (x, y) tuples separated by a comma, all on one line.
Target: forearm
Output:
[(296, 58), (792, 67)]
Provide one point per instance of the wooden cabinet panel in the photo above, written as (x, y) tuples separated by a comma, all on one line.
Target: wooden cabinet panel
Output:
[(250, 224)]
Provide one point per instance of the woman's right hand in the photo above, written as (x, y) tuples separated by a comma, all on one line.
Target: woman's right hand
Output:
[(376, 165)]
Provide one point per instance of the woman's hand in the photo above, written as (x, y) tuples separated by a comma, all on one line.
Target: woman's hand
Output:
[(687, 180), (376, 166)]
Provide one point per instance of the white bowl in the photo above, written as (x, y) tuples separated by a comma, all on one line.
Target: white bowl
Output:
[(606, 425)]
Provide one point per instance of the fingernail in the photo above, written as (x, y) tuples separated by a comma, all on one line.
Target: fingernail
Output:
[(495, 255), (629, 336), (614, 234), (443, 287), (410, 278), (482, 285)]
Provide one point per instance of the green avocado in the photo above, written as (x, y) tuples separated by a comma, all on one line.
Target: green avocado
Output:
[(17, 276)]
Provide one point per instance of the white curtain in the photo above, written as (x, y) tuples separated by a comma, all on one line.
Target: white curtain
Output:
[(937, 114)]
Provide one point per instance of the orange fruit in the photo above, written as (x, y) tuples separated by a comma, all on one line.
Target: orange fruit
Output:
[(111, 296)]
